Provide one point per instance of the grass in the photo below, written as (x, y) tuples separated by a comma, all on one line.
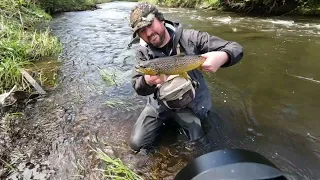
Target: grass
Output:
[(102, 1), (20, 42), (23, 45), (10, 74), (213, 1), (113, 168), (27, 13), (114, 103), (7, 165), (119, 104), (45, 71), (43, 45), (109, 78)]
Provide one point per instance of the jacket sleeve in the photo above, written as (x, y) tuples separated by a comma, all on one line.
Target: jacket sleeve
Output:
[(205, 42), (138, 82)]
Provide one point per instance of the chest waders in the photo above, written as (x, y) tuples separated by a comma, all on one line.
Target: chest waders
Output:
[(153, 117)]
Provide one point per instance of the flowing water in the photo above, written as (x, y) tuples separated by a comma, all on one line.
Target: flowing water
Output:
[(258, 104)]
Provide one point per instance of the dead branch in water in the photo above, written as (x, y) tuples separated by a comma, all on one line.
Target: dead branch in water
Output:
[(32, 81), (304, 78)]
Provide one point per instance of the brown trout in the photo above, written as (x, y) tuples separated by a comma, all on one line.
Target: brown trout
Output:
[(171, 65)]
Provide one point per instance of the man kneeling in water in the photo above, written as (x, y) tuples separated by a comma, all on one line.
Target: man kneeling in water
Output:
[(161, 38)]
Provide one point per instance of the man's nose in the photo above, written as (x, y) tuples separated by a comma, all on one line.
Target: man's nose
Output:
[(148, 31)]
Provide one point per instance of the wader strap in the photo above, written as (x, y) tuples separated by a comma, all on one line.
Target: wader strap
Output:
[(178, 48)]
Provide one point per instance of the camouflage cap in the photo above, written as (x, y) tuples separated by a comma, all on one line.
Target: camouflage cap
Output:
[(142, 15)]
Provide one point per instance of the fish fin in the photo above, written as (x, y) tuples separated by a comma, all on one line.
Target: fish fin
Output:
[(163, 77), (181, 54), (184, 75)]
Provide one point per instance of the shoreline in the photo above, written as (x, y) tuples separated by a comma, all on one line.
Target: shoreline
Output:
[(243, 10)]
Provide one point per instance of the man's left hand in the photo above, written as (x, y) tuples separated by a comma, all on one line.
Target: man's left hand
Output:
[(214, 60)]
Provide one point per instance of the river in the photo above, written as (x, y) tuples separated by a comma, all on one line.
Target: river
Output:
[(260, 105)]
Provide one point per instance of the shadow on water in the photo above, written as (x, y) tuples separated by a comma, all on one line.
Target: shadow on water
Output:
[(85, 111)]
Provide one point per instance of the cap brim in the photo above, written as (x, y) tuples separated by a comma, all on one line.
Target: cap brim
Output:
[(140, 25), (134, 35)]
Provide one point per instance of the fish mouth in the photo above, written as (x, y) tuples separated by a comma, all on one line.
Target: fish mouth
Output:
[(139, 69)]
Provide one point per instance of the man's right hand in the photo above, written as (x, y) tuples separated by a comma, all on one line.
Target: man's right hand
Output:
[(154, 80)]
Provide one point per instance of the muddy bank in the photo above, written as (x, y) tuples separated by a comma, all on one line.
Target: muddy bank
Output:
[(26, 142)]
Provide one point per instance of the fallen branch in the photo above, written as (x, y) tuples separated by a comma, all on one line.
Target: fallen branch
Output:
[(32, 81), (4, 96), (305, 78)]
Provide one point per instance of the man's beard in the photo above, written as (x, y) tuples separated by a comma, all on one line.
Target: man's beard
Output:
[(160, 39)]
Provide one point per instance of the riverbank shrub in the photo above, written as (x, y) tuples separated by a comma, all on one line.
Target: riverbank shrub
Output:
[(261, 7), (273, 7), (65, 5), (57, 6)]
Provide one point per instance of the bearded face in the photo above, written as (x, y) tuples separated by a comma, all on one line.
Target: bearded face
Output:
[(153, 34)]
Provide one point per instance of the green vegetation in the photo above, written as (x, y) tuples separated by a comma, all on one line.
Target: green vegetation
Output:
[(262, 7), (20, 42), (23, 43), (69, 5), (45, 71), (119, 104), (113, 168), (109, 78), (277, 7), (187, 3)]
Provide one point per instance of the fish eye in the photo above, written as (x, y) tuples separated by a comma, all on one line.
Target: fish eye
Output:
[(142, 65)]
